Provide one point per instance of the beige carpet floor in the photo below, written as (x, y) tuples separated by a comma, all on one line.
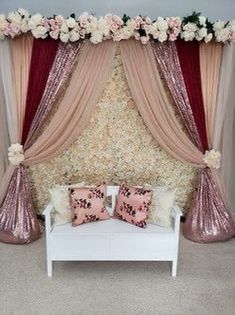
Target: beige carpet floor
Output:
[(205, 283)]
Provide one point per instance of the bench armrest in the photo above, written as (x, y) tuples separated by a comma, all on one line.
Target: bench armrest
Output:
[(176, 214), (47, 213), (176, 211)]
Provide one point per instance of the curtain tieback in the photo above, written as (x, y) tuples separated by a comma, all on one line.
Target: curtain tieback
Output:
[(212, 159), (16, 154)]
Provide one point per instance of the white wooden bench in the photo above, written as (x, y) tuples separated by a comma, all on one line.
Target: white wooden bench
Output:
[(111, 240)]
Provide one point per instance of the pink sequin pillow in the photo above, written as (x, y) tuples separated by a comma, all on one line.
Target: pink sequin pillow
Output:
[(132, 205), (88, 204)]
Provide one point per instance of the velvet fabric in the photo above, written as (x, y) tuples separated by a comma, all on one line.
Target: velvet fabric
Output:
[(188, 54), (43, 55)]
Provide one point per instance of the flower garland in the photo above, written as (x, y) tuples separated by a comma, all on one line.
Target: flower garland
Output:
[(193, 27)]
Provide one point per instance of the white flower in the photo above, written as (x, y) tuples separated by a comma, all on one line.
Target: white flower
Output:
[(212, 159), (71, 23), (23, 12), (40, 32), (74, 36), (64, 28), (187, 36), (24, 27), (218, 25), (16, 154), (96, 37), (144, 39), (162, 37), (35, 20), (161, 24), (64, 37), (190, 27), (201, 33), (202, 20), (14, 17), (222, 35), (208, 38)]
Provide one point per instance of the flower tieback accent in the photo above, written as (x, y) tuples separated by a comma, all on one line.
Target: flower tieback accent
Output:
[(16, 154), (212, 158)]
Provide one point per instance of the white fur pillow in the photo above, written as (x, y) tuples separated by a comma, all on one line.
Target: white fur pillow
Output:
[(161, 206), (61, 203)]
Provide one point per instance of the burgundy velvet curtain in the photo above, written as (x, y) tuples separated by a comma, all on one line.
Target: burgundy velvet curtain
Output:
[(188, 53), (43, 55)]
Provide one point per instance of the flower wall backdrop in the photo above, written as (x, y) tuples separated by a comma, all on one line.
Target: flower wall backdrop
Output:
[(115, 146)]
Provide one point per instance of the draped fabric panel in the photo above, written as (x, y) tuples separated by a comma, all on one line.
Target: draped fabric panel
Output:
[(43, 55), (224, 126), (73, 114), (8, 90), (210, 61), (168, 61), (151, 99), (207, 205), (21, 49), (75, 109), (66, 57), (188, 54), (4, 135)]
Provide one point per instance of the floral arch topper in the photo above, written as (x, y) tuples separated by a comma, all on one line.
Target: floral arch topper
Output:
[(192, 27)]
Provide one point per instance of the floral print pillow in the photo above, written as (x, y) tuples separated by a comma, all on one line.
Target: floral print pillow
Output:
[(133, 205), (88, 204)]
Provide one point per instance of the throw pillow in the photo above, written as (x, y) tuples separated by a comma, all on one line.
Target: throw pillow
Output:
[(60, 200), (161, 206), (88, 204), (132, 205)]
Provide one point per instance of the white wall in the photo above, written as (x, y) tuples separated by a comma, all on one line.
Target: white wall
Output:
[(214, 9)]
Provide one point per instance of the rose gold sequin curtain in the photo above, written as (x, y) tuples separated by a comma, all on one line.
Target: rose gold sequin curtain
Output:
[(207, 219), (18, 221)]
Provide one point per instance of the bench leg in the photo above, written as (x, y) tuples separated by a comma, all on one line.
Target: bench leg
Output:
[(174, 268), (49, 268)]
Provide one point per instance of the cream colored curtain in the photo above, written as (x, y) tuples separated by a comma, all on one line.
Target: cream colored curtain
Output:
[(151, 99), (210, 61), (224, 128)]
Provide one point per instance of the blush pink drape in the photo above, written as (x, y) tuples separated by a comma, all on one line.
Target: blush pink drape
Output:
[(151, 99), (76, 107), (21, 50)]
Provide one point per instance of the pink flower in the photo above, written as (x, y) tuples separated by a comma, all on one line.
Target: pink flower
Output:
[(138, 21), (54, 34), (59, 19), (52, 22), (232, 36), (172, 37), (82, 33)]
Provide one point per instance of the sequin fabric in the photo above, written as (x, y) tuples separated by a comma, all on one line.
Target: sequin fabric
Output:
[(208, 221), (18, 221), (65, 59), (167, 59)]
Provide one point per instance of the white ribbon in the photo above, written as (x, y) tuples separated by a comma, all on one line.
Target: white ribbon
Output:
[(16, 154), (212, 158)]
